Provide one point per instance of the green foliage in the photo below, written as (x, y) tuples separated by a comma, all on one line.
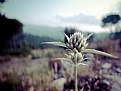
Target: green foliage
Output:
[(35, 40), (111, 21), (2, 1), (23, 49)]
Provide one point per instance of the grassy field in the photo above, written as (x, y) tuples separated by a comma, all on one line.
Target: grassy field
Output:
[(34, 72)]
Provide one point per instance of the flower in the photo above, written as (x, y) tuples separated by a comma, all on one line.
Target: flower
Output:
[(77, 44), (77, 41)]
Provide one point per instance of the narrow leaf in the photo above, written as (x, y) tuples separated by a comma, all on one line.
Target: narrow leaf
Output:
[(56, 43), (81, 64), (67, 56), (98, 52), (63, 59)]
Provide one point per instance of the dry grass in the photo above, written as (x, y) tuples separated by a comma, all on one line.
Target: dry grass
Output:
[(25, 73), (28, 74), (34, 74)]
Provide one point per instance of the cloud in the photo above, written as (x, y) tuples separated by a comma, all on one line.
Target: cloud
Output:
[(119, 7), (80, 18)]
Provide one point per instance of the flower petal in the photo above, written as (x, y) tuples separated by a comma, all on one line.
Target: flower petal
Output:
[(98, 52)]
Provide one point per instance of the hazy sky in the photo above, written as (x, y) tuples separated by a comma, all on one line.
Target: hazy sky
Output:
[(83, 14)]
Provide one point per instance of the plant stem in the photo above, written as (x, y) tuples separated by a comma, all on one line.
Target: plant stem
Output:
[(75, 77)]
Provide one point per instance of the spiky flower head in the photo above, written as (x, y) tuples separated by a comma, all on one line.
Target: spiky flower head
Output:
[(77, 41)]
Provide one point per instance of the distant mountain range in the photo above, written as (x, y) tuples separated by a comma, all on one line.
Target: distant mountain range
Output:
[(45, 31), (54, 32)]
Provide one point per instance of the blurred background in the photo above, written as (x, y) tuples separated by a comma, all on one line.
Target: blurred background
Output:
[(27, 65)]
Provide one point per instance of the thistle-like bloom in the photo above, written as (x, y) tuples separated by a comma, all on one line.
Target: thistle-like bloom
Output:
[(77, 41), (77, 44)]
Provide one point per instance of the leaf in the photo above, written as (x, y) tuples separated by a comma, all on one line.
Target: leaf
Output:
[(55, 43), (63, 59), (98, 52), (66, 55), (81, 64)]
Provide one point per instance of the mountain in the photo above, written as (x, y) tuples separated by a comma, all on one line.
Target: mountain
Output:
[(45, 31), (56, 32), (35, 41)]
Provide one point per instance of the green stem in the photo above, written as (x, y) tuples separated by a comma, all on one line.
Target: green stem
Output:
[(75, 77)]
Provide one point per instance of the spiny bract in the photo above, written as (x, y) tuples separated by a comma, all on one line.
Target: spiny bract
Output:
[(77, 41)]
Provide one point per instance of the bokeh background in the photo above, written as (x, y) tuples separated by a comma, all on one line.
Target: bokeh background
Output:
[(27, 65)]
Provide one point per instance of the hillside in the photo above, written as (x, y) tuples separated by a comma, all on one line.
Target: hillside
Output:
[(35, 41), (53, 32)]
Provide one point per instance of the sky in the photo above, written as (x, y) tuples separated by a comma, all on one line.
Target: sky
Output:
[(81, 14)]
